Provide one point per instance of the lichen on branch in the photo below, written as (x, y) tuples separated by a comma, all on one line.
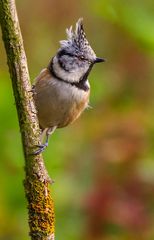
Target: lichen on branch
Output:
[(37, 181)]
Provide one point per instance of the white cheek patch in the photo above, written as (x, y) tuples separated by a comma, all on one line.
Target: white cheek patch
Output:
[(72, 76)]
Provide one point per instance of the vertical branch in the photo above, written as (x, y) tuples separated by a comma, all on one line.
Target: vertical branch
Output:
[(40, 203)]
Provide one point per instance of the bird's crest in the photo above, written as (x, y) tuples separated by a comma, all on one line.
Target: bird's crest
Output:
[(77, 40)]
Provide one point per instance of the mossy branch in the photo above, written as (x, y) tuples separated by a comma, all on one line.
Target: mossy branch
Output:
[(40, 203)]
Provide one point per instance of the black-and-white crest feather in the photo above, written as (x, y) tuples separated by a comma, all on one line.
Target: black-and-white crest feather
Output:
[(77, 41)]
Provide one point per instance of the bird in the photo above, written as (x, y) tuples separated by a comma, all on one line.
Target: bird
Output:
[(61, 91)]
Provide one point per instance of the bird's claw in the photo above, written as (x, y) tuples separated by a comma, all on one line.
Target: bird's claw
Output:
[(41, 148)]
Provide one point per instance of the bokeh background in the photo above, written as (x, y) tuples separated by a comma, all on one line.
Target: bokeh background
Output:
[(103, 165)]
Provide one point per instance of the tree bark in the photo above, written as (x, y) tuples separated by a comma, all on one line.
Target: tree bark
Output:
[(37, 181)]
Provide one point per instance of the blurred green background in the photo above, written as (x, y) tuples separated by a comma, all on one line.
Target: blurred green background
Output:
[(103, 164)]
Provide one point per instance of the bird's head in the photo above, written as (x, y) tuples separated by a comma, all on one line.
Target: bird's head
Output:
[(75, 57)]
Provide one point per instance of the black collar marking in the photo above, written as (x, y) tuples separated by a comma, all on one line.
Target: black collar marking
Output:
[(82, 82)]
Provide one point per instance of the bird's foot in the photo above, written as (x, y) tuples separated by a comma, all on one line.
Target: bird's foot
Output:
[(41, 148)]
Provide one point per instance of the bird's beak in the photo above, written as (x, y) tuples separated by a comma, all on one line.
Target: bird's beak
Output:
[(98, 60)]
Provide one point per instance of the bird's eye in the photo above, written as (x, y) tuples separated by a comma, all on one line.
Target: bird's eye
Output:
[(81, 57)]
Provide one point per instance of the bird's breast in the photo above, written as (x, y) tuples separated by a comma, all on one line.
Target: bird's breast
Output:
[(77, 103), (58, 103), (72, 101)]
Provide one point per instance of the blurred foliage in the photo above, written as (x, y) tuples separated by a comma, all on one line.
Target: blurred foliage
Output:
[(103, 165), (136, 17)]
